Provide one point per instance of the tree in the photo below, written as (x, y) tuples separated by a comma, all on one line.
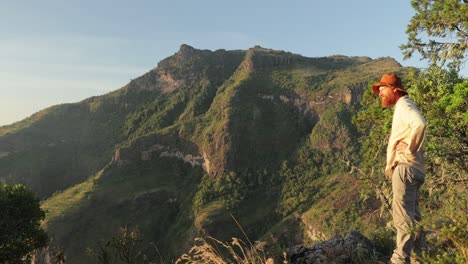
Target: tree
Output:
[(20, 230), (126, 247), (441, 97), (438, 31)]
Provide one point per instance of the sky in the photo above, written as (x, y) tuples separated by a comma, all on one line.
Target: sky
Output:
[(55, 51)]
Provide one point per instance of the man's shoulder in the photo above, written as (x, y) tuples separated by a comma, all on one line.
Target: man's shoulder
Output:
[(408, 110), (406, 103)]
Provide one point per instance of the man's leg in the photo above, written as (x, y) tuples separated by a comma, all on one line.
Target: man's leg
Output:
[(405, 190)]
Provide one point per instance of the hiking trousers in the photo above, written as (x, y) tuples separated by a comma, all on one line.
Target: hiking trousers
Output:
[(406, 182)]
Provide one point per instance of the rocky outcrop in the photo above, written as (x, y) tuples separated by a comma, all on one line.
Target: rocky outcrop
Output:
[(303, 106), (353, 248), (350, 95), (4, 154), (156, 80), (147, 147), (215, 154)]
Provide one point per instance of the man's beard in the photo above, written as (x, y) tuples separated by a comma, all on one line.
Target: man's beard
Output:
[(387, 102)]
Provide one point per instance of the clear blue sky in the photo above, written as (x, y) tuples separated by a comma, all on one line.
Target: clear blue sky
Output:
[(59, 51)]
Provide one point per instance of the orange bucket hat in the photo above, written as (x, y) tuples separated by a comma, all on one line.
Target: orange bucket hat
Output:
[(389, 80)]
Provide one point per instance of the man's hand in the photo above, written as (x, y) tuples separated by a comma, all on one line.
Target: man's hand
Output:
[(401, 147), (389, 173)]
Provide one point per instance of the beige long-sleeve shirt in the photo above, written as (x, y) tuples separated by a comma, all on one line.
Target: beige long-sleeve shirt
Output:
[(409, 126)]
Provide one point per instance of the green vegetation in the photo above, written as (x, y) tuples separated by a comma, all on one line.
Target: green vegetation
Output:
[(72, 199), (154, 195), (4, 130), (226, 188), (67, 143), (446, 158), (124, 247), (438, 31), (20, 231)]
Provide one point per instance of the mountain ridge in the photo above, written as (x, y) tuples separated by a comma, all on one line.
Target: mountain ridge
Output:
[(203, 135)]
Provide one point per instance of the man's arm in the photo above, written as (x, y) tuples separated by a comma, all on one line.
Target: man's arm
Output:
[(418, 125)]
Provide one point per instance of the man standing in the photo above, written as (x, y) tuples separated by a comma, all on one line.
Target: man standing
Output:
[(405, 163)]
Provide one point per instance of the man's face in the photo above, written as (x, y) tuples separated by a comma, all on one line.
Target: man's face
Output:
[(388, 96)]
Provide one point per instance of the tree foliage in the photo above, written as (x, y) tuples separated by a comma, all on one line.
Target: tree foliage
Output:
[(124, 247), (20, 231), (229, 188), (441, 97), (438, 30), (326, 151)]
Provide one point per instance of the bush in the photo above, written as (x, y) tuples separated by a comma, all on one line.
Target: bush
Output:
[(20, 231)]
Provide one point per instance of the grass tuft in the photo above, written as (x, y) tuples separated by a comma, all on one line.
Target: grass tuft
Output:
[(218, 252)]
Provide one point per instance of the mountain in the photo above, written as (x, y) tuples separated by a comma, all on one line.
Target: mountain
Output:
[(258, 135)]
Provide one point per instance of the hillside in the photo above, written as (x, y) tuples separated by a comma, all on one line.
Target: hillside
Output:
[(259, 134)]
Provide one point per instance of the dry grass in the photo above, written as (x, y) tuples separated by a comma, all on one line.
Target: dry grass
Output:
[(217, 252)]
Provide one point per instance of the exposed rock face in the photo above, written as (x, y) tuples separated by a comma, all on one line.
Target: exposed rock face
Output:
[(215, 155), (354, 248), (206, 163), (302, 105), (156, 80), (4, 154), (155, 145), (192, 159)]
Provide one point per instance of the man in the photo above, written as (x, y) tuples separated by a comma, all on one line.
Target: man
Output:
[(405, 163)]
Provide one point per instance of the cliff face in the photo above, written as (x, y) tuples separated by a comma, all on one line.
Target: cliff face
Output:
[(200, 134)]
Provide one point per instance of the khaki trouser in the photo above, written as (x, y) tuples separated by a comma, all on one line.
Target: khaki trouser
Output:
[(405, 210)]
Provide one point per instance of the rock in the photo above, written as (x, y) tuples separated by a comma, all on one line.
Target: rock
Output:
[(354, 248)]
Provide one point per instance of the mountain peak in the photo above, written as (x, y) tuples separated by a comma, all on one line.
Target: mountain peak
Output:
[(184, 54), (184, 48)]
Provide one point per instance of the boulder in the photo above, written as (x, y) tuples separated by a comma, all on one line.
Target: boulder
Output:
[(353, 248)]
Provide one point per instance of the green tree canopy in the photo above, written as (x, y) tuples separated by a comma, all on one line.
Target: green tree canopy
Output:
[(438, 30), (20, 231)]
